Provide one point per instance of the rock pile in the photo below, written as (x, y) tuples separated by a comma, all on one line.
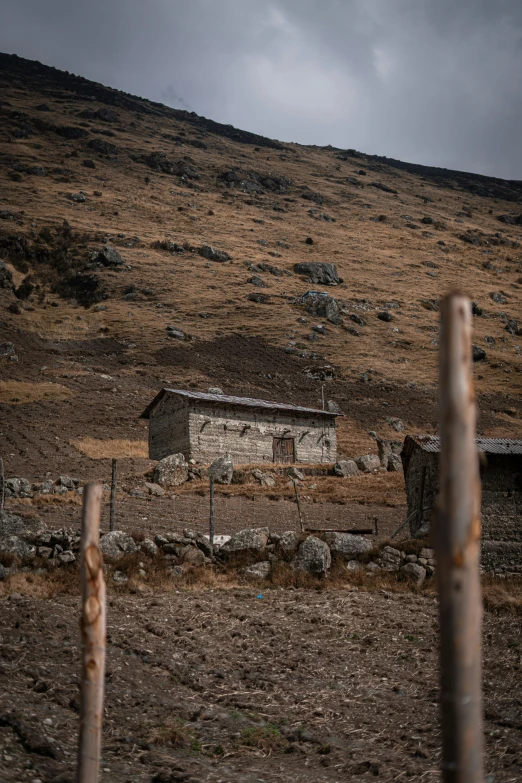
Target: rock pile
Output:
[(23, 488)]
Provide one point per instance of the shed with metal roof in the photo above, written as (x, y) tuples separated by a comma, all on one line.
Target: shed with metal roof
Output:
[(204, 425), (501, 479)]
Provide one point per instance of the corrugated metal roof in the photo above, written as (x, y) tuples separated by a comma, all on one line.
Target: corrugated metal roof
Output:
[(226, 399), (487, 445)]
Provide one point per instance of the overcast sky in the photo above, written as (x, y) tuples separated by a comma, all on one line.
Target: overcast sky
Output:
[(437, 82)]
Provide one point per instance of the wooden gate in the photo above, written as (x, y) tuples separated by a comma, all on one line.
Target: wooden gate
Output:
[(284, 449)]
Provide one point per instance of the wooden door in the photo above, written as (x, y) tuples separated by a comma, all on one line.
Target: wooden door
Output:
[(284, 449)]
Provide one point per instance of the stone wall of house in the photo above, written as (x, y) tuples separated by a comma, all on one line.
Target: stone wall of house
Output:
[(501, 509), (247, 434), (502, 531), (419, 461), (169, 428)]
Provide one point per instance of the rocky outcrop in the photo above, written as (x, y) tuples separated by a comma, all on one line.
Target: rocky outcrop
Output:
[(319, 272), (345, 468), (171, 471), (116, 544), (347, 545), (244, 542)]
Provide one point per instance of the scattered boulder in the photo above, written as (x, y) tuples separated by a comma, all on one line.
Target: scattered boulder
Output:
[(259, 298), (222, 470), (347, 545), (155, 490), (394, 464), (191, 555), (257, 571), (149, 548), (15, 545), (6, 277), (478, 353), (368, 463), (257, 281), (385, 316), (177, 333), (288, 543), (213, 254), (294, 473), (333, 407), (319, 272), (321, 305), (251, 541), (265, 479), (345, 468), (116, 544), (78, 198), (171, 471), (390, 559), (414, 573), (313, 556), (108, 256), (387, 448)]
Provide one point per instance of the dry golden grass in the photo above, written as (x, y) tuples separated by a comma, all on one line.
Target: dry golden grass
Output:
[(20, 392), (386, 489), (108, 449)]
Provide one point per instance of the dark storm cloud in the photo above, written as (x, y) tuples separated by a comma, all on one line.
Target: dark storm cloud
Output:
[(432, 81)]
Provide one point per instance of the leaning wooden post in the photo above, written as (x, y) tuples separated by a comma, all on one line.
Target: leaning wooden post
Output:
[(2, 485), (457, 546), (211, 520), (93, 638), (113, 494), (301, 524)]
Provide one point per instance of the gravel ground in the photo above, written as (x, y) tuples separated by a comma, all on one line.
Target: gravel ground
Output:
[(223, 685)]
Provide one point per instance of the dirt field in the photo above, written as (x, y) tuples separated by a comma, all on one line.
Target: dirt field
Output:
[(223, 685)]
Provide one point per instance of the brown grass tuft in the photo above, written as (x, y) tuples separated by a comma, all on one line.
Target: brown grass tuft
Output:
[(111, 449), (18, 392)]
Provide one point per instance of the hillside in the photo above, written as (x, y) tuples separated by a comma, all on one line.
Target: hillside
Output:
[(86, 170)]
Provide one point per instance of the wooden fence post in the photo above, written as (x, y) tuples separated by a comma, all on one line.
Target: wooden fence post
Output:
[(2, 485), (93, 638), (113, 494), (211, 520), (301, 524), (457, 547)]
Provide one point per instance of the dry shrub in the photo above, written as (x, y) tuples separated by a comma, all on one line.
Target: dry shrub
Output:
[(63, 580), (173, 733), (19, 392), (502, 597), (68, 499), (266, 738), (111, 449)]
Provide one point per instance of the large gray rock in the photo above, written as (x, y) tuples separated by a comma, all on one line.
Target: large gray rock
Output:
[(213, 254), (313, 556), (222, 470), (116, 544), (322, 306), (14, 545), (387, 448), (318, 272), (347, 545), (171, 471), (257, 571), (148, 547), (296, 474), (288, 543), (368, 463), (345, 468), (414, 572), (394, 464), (265, 479), (108, 256), (390, 559), (250, 540)]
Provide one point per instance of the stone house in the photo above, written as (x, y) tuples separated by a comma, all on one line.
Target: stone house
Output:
[(501, 479), (203, 426)]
